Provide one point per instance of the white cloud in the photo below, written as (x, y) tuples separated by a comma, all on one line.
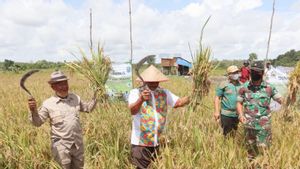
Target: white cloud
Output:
[(296, 6), (50, 29), (247, 5), (193, 10)]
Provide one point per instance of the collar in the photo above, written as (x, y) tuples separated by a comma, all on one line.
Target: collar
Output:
[(262, 84), (59, 99), (237, 84)]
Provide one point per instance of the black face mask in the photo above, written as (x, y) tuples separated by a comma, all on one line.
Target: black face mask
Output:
[(256, 76)]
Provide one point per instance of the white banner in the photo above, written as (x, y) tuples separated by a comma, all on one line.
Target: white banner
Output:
[(120, 80), (279, 77)]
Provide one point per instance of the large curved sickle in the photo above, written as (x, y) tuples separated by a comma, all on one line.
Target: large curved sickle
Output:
[(23, 79), (139, 65)]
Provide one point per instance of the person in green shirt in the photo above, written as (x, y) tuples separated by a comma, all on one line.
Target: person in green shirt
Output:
[(226, 96)]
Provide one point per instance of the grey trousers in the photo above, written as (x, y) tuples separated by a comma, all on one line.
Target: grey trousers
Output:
[(69, 158)]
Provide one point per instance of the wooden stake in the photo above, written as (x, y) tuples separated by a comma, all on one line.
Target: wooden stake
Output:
[(191, 53), (130, 34), (270, 31), (91, 30)]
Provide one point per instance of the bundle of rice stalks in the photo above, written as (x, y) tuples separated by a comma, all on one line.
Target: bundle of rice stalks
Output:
[(293, 87), (202, 68), (96, 70), (292, 102)]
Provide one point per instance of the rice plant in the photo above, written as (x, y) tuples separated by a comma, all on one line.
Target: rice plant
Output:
[(200, 75), (96, 69), (202, 67), (292, 99), (195, 140)]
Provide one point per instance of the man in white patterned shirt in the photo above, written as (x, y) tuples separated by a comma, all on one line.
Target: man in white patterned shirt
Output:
[(149, 107)]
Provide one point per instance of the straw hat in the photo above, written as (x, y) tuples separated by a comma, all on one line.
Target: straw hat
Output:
[(232, 69), (152, 74), (57, 76)]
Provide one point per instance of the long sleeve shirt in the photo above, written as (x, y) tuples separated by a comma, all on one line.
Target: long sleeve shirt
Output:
[(64, 118)]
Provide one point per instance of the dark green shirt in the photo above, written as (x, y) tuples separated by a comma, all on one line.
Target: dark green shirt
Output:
[(228, 93)]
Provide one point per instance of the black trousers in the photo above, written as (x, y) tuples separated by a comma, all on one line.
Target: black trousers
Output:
[(229, 124), (142, 156)]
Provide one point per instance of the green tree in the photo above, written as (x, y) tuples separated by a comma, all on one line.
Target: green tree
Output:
[(289, 58), (8, 64), (252, 57)]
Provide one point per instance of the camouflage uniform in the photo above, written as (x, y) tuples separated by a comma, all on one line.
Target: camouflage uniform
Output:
[(256, 101)]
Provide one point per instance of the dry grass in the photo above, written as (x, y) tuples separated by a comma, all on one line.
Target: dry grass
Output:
[(195, 138)]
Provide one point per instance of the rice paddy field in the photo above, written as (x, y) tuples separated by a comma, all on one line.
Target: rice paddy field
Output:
[(192, 139)]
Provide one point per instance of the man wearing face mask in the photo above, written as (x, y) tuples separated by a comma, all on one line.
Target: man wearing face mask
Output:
[(253, 108), (226, 93), (149, 106)]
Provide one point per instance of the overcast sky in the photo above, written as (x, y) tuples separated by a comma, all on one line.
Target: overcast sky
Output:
[(32, 30)]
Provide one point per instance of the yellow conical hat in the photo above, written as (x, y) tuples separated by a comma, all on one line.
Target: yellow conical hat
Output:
[(152, 74)]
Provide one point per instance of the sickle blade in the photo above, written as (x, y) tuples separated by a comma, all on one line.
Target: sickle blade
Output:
[(139, 65), (23, 79)]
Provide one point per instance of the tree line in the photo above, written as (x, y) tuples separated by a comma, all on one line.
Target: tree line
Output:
[(10, 65), (289, 59)]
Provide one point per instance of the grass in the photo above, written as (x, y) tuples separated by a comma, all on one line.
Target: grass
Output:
[(218, 71), (192, 139)]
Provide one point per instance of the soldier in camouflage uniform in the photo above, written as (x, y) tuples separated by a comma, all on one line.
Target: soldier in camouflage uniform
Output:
[(255, 97)]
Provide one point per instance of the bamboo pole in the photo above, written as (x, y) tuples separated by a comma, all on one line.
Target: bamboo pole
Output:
[(130, 37), (91, 30), (191, 53), (270, 31)]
